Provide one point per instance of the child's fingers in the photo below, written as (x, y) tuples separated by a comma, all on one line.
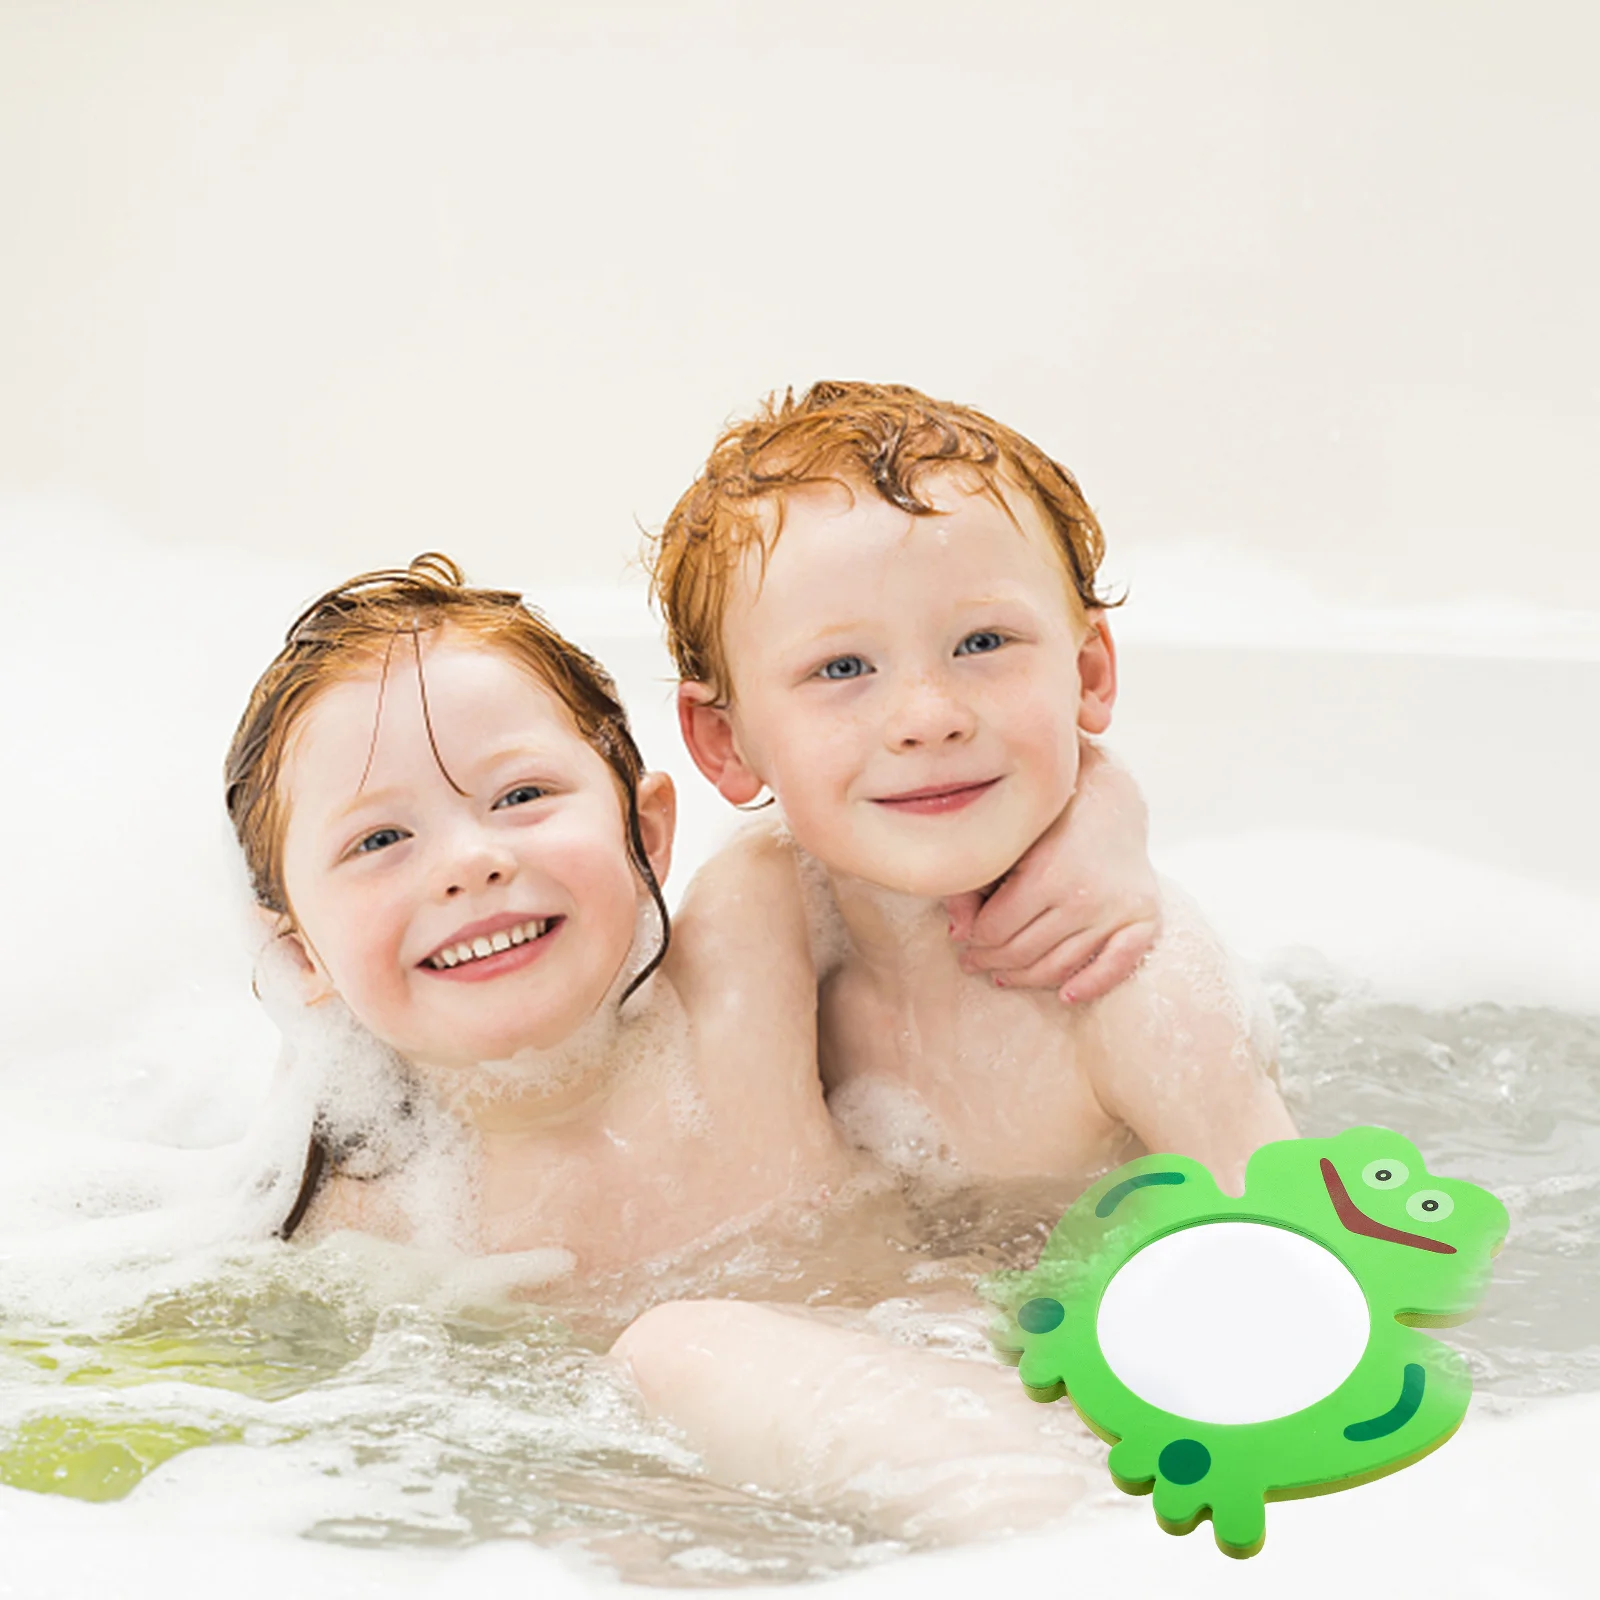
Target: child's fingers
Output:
[(1048, 931), (1060, 963), (1115, 962), (1020, 900), (1086, 966)]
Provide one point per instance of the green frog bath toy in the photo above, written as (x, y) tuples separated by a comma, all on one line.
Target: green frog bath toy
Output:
[(1235, 1351)]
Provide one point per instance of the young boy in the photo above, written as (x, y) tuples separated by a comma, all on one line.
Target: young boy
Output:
[(883, 609)]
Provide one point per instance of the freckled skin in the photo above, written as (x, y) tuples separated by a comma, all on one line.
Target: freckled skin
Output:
[(1420, 1248), (879, 658)]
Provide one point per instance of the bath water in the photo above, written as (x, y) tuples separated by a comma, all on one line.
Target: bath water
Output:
[(425, 1419)]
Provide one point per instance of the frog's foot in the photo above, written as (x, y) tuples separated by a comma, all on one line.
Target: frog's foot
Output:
[(1040, 1363), (1189, 1486), (1239, 1521), (1184, 1485), (1133, 1465)]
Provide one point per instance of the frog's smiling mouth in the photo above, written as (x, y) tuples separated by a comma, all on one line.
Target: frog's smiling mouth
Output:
[(1357, 1221)]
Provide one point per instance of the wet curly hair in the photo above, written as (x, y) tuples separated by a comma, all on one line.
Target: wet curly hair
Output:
[(886, 437)]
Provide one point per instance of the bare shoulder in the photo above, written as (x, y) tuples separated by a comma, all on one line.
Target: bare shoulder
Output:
[(740, 963), (1190, 973), (744, 912), (1184, 1052)]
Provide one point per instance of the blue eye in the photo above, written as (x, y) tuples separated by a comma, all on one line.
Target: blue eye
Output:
[(980, 643), (844, 667), (379, 839), (522, 795)]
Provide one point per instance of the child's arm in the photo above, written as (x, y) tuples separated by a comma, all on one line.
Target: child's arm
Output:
[(914, 1443), (1178, 1058), (1081, 909), (741, 962), (744, 912)]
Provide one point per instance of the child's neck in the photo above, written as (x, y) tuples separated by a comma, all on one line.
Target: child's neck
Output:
[(899, 940), (536, 1089)]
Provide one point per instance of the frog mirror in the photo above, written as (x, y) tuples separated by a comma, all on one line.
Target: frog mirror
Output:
[(1238, 1350)]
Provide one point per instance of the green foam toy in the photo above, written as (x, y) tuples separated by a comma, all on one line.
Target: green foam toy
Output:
[(1235, 1351)]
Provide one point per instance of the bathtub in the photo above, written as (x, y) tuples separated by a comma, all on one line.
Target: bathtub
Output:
[(1406, 798)]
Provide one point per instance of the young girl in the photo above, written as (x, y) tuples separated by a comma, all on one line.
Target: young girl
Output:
[(451, 835), (448, 826)]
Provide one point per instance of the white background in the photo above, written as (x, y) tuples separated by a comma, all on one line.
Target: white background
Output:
[(350, 278)]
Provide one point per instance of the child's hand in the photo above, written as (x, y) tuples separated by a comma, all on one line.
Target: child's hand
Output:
[(1081, 909)]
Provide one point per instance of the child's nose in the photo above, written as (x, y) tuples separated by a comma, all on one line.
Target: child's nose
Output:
[(926, 713), (474, 866)]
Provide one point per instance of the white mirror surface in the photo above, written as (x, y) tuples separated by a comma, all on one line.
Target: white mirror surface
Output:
[(1233, 1322)]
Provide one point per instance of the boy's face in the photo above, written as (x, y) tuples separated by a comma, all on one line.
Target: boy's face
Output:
[(909, 687), (459, 927)]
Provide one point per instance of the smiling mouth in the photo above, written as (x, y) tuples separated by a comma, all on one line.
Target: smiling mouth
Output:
[(949, 797), (1357, 1221), (486, 946)]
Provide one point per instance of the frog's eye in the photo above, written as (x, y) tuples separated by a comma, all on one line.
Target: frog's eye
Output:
[(1430, 1205), (1385, 1174)]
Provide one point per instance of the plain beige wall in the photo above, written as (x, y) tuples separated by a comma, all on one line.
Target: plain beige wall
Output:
[(348, 278)]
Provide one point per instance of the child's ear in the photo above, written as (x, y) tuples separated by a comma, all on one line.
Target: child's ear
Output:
[(708, 732), (1097, 675), (291, 949), (658, 820)]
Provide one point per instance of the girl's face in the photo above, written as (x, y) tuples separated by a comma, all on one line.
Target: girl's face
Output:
[(461, 921)]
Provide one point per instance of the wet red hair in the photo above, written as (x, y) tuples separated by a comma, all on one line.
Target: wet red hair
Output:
[(882, 436)]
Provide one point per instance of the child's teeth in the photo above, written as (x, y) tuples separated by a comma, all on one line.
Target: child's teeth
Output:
[(482, 946), (474, 951)]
